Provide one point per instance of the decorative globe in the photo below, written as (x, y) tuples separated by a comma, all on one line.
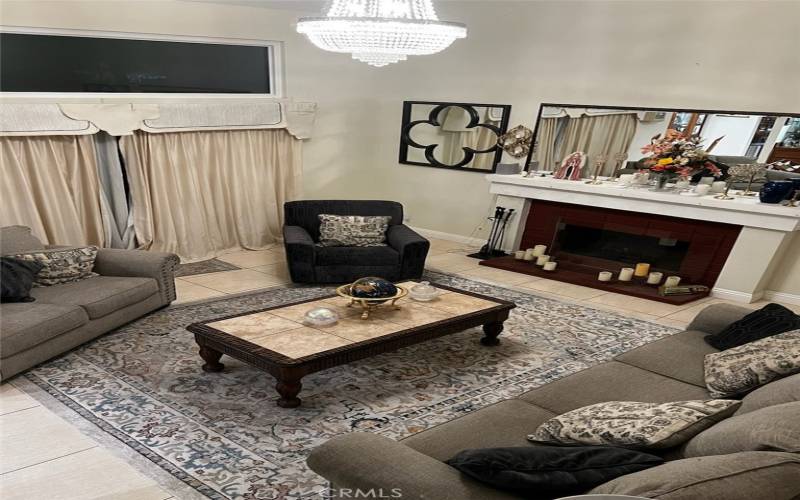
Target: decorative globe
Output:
[(320, 316), (372, 288)]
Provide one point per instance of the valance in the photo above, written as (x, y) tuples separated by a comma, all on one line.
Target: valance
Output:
[(24, 119), (559, 112)]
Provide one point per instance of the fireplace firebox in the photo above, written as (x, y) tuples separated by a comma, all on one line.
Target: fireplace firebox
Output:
[(586, 240)]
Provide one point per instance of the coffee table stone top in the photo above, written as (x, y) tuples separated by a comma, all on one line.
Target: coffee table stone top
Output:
[(282, 331)]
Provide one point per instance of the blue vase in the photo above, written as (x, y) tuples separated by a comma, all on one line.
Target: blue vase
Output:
[(775, 191), (795, 187)]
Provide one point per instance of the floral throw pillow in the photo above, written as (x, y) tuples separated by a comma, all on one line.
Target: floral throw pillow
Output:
[(353, 230), (741, 369), (61, 265), (631, 424)]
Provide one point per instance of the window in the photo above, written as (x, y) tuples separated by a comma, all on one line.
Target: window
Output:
[(66, 63)]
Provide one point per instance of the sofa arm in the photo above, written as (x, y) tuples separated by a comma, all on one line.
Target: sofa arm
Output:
[(140, 263), (300, 253), (714, 318), (362, 461), (412, 248)]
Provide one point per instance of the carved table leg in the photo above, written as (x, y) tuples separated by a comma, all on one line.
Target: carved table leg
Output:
[(491, 332), (211, 358), (288, 389)]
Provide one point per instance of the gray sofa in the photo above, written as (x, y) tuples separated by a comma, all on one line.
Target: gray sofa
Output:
[(131, 284), (670, 369)]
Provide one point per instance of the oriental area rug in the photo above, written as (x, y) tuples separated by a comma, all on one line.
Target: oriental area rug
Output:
[(222, 434)]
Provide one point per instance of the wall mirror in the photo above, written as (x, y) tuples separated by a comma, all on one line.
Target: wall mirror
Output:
[(620, 133), (460, 136)]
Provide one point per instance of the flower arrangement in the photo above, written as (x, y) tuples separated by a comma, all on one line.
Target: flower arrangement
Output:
[(677, 154)]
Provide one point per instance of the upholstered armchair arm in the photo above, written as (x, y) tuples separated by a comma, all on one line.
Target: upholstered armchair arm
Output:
[(370, 462), (140, 263), (300, 253), (714, 318), (412, 247)]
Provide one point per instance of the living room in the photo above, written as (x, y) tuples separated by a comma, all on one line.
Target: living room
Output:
[(585, 257)]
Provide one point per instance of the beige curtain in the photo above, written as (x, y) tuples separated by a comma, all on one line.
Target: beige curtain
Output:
[(546, 144), (199, 193), (595, 135), (50, 184)]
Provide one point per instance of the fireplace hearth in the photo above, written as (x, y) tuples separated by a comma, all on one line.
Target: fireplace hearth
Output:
[(586, 240)]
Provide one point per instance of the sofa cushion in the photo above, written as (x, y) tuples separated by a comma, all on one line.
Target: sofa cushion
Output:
[(26, 325), (743, 368), (785, 390), (357, 256), (16, 239), (499, 425), (100, 295), (775, 428), (607, 382), (633, 424), (771, 319), (678, 356), (536, 471), (748, 475)]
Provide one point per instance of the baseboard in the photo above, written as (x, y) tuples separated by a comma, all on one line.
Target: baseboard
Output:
[(439, 235), (735, 295), (786, 298)]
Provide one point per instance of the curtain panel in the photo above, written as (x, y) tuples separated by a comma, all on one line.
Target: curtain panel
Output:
[(50, 184), (595, 135), (200, 193)]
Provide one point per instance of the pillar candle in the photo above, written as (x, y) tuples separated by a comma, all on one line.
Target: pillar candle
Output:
[(604, 276), (529, 254), (642, 269), (626, 274), (542, 259), (672, 281), (654, 278), (702, 189), (550, 266), (718, 186), (519, 254), (539, 250)]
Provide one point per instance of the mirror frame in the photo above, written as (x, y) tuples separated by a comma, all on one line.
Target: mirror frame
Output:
[(469, 153), (637, 108)]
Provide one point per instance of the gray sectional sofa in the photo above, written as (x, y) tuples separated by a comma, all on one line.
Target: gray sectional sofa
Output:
[(131, 284), (670, 369)]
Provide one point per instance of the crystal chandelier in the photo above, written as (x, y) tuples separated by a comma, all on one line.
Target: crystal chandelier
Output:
[(381, 32)]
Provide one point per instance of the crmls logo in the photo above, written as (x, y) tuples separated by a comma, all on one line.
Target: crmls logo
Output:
[(357, 493)]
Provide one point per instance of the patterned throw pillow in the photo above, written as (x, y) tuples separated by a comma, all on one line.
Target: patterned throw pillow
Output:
[(353, 230), (746, 367), (631, 424), (62, 265)]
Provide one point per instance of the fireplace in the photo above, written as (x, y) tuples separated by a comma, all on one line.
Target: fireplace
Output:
[(586, 240)]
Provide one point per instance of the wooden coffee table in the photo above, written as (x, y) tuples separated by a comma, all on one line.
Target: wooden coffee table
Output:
[(276, 340)]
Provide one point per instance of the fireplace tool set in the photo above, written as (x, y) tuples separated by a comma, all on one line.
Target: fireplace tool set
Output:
[(492, 247)]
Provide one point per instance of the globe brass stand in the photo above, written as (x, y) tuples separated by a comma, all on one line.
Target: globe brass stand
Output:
[(368, 304)]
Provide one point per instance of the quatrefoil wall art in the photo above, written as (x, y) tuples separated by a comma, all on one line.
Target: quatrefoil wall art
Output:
[(460, 136)]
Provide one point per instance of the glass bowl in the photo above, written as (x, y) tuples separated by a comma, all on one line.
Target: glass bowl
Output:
[(423, 292), (320, 316)]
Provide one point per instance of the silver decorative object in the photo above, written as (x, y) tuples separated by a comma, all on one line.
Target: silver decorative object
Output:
[(321, 316), (423, 292), (747, 172)]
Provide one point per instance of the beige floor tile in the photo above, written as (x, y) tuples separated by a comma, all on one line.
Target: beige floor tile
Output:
[(90, 474), (279, 270), (499, 276), (451, 262), (13, 399), (301, 342), (189, 292), (628, 303), (235, 281), (253, 258), (35, 435), (690, 310), (565, 289), (449, 246)]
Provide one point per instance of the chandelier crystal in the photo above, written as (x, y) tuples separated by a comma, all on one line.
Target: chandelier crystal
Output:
[(381, 32)]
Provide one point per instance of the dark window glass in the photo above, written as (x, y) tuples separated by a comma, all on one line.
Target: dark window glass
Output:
[(45, 63)]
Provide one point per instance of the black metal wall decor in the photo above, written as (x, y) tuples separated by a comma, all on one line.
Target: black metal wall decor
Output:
[(459, 136)]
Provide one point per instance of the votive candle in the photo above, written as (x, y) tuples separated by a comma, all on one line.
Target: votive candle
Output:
[(642, 269), (718, 186), (654, 278), (542, 260), (550, 266), (604, 276), (529, 254), (672, 281), (539, 250), (626, 274), (702, 189), (519, 254)]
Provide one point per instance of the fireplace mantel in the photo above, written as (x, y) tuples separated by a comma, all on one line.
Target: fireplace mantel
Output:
[(766, 229)]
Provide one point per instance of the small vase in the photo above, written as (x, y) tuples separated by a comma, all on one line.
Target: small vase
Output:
[(661, 182), (774, 191)]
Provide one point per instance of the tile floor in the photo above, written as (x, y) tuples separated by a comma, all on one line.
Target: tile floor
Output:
[(44, 456)]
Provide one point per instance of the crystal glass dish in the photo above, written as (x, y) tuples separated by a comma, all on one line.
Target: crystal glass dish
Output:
[(320, 316), (423, 292)]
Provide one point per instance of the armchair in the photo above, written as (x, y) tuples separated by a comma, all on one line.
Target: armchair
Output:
[(402, 258)]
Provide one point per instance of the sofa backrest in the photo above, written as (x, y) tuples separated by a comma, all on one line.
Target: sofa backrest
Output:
[(305, 213), (18, 239)]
